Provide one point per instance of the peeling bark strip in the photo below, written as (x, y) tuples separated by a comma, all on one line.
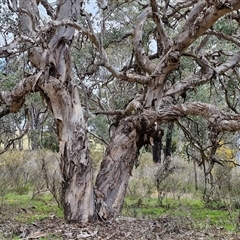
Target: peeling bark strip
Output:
[(76, 165)]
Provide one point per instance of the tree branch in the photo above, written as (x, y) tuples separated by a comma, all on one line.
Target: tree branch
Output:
[(202, 77), (14, 99), (219, 120), (223, 36), (32, 14), (165, 40), (116, 73), (49, 9), (201, 19), (99, 138), (15, 46), (176, 7), (189, 83), (110, 113), (232, 61), (137, 41)]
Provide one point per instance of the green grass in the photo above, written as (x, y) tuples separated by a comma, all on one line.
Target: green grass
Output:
[(26, 210), (195, 210)]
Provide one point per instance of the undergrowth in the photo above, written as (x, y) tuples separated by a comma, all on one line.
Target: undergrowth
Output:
[(194, 210), (201, 217), (23, 209)]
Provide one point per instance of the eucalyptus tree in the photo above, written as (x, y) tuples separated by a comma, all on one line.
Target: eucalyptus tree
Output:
[(162, 36)]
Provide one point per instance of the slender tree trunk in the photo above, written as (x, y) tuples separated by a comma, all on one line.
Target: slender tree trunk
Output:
[(168, 148), (157, 147)]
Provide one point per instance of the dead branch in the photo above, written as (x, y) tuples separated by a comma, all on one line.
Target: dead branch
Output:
[(11, 141)]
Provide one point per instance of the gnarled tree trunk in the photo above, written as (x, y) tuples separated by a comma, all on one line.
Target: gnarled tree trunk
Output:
[(121, 154), (60, 92), (116, 168), (76, 165)]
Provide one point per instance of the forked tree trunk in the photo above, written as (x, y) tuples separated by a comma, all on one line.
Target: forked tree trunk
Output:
[(54, 80), (58, 88)]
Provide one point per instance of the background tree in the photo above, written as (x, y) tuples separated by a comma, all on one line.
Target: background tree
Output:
[(182, 33)]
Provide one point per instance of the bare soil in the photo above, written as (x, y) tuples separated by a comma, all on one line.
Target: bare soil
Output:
[(163, 228)]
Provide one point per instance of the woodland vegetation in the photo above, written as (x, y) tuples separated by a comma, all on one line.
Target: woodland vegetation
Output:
[(134, 76)]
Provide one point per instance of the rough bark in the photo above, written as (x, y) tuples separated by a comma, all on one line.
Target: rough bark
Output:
[(76, 165), (116, 168), (122, 152), (60, 92)]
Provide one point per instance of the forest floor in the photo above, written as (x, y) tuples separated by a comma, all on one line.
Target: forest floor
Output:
[(163, 228)]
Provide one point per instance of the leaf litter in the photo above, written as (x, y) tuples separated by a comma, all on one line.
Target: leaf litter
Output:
[(122, 228)]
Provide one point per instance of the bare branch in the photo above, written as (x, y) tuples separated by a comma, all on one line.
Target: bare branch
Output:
[(11, 141), (165, 40), (231, 104), (116, 73), (15, 46), (189, 83), (202, 19), (110, 113), (14, 100), (202, 77), (232, 61), (133, 107), (220, 121), (194, 14), (223, 36), (137, 41), (99, 138), (30, 15), (49, 8), (176, 7)]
